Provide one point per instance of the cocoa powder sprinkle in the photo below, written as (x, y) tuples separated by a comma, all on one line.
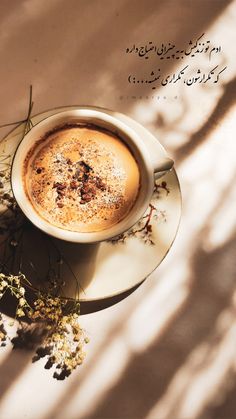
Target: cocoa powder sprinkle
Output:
[(84, 172)]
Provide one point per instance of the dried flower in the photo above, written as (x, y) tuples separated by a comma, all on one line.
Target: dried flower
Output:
[(64, 338), (20, 312)]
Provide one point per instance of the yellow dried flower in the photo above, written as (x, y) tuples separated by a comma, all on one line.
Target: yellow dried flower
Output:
[(20, 312), (4, 283), (22, 302)]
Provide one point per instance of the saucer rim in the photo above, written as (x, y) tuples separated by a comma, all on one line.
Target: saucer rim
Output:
[(129, 289)]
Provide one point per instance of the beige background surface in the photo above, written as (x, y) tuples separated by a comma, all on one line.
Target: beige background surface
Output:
[(168, 350)]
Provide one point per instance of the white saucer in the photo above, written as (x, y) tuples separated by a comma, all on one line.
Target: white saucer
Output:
[(107, 269)]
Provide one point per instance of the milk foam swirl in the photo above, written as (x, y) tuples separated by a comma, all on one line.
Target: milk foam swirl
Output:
[(81, 178)]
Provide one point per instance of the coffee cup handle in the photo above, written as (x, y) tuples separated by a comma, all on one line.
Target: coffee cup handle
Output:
[(163, 166)]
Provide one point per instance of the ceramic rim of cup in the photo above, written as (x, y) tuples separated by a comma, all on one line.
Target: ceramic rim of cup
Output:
[(102, 120)]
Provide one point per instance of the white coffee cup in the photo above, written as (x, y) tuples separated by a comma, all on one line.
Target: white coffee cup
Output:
[(153, 163)]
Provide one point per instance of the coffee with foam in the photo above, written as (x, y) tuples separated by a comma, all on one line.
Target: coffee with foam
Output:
[(81, 178)]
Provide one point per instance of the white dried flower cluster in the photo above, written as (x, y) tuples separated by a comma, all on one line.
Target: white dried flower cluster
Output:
[(63, 338), (13, 284), (64, 342)]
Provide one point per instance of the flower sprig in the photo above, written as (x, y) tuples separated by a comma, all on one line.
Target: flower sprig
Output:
[(50, 325), (14, 284), (144, 228), (64, 341)]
